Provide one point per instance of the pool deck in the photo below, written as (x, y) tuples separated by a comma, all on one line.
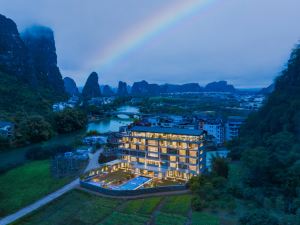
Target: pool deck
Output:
[(133, 184)]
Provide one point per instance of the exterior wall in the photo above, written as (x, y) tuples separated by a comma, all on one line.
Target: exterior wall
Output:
[(163, 155), (216, 130), (232, 129)]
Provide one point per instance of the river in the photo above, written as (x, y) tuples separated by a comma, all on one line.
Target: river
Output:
[(113, 124), (17, 156)]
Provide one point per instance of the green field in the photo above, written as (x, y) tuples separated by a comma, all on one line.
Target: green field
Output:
[(26, 184), (141, 206), (170, 219), (179, 205), (79, 207), (201, 218)]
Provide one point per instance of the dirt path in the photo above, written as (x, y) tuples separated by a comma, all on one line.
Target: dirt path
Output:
[(156, 211)]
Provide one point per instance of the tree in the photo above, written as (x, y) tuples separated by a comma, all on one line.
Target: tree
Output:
[(220, 166), (35, 129), (259, 217), (4, 142), (69, 120)]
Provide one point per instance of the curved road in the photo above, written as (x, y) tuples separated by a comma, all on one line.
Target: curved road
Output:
[(93, 163)]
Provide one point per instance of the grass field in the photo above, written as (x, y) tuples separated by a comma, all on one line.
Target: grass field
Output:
[(141, 206), (170, 219), (78, 207), (179, 205), (201, 218), (26, 184)]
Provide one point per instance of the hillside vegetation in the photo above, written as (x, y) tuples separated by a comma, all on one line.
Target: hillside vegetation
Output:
[(269, 146), (17, 97)]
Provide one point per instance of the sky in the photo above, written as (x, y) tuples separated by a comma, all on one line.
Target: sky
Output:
[(246, 42)]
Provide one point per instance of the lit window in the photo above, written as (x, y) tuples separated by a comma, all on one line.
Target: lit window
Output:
[(173, 165), (152, 149), (193, 153), (163, 150), (193, 168), (182, 152), (182, 159), (173, 158), (192, 161)]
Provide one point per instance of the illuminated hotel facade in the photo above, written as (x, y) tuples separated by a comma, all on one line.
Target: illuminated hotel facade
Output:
[(163, 152)]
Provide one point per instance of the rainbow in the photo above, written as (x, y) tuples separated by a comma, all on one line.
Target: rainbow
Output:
[(144, 31)]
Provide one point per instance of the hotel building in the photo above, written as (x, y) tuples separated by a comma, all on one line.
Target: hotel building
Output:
[(163, 152)]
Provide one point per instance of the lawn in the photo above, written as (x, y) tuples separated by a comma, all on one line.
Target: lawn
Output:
[(26, 184), (202, 218), (179, 205)]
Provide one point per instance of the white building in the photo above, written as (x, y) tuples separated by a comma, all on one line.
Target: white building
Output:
[(232, 127), (60, 106), (216, 129)]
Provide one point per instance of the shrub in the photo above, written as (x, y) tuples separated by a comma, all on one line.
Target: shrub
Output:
[(40, 153), (70, 120), (198, 204), (259, 217), (35, 129)]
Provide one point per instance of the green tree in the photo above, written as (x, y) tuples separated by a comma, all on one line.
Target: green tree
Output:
[(35, 129), (220, 166), (69, 120)]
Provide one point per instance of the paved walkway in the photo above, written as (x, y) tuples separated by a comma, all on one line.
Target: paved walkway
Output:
[(93, 163)]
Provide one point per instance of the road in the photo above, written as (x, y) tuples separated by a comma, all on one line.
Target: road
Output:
[(93, 163)]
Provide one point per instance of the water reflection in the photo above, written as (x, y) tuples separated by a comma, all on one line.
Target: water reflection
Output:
[(107, 125)]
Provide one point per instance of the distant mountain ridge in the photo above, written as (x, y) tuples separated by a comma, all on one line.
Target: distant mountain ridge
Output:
[(219, 86), (144, 88)]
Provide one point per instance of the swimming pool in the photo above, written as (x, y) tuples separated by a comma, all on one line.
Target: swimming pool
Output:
[(133, 184)]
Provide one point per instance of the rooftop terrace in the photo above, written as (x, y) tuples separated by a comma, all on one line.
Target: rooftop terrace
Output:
[(164, 130)]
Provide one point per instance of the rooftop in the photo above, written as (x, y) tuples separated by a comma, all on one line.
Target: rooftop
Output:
[(167, 130)]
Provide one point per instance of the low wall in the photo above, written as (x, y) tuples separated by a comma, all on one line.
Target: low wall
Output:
[(132, 192)]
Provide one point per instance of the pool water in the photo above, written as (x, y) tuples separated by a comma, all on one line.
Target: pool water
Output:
[(133, 184)]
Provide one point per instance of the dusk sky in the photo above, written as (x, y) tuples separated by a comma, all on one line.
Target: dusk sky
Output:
[(246, 42)]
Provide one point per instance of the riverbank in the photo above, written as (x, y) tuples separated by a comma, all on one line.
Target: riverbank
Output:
[(17, 156)]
